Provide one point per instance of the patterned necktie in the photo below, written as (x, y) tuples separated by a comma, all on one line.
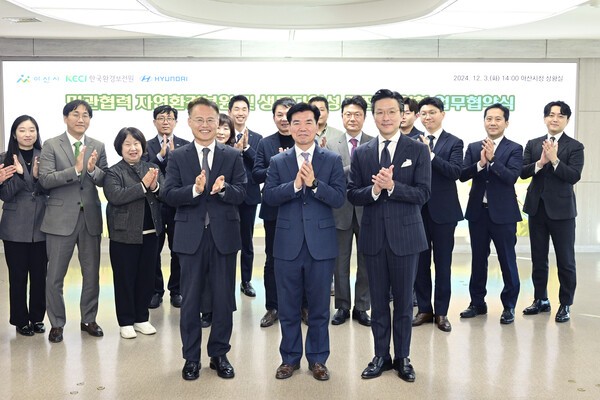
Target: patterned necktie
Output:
[(354, 143), (238, 137), (386, 160), (305, 155), (206, 170), (77, 146), (431, 139)]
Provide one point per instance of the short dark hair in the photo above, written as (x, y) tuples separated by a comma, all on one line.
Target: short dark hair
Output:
[(224, 119), (165, 109), (505, 110), (239, 97), (412, 104), (13, 145), (287, 102), (432, 101), (564, 108), (122, 135), (387, 94), (355, 100), (202, 101), (72, 105), (319, 98), (301, 107)]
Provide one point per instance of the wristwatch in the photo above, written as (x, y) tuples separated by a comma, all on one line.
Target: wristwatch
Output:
[(314, 185)]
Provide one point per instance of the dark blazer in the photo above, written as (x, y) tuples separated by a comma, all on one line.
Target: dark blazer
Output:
[(252, 187), (305, 215), (499, 182), (555, 188), (397, 217), (153, 148), (127, 202), (182, 170), (267, 148), (415, 133), (444, 206), (66, 190), (24, 205)]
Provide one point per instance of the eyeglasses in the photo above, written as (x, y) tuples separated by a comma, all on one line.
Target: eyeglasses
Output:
[(77, 116), (430, 113), (163, 119), (356, 115), (208, 121), (390, 113)]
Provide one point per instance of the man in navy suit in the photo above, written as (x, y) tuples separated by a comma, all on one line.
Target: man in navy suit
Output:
[(305, 182), (268, 147), (206, 182), (247, 143), (158, 150), (411, 113), (440, 215), (493, 165), (391, 177), (554, 162)]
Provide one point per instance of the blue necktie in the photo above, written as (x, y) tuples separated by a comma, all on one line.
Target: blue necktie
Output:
[(386, 160)]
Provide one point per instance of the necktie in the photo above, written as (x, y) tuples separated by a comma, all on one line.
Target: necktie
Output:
[(553, 139), (305, 155), (386, 160), (354, 143), (238, 137), (77, 146), (206, 170), (431, 139)]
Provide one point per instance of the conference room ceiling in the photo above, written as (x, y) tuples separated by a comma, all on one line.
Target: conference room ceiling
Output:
[(306, 20)]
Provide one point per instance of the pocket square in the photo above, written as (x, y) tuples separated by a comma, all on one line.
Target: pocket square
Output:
[(406, 163)]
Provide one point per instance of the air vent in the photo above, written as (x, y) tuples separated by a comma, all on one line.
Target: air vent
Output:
[(20, 20)]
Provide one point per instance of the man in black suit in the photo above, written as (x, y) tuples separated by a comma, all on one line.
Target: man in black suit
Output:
[(206, 182), (554, 162), (268, 147), (440, 216), (247, 143), (493, 165), (158, 150), (407, 123), (390, 176)]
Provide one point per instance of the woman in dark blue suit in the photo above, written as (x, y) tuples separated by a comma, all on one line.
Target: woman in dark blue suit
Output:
[(23, 212)]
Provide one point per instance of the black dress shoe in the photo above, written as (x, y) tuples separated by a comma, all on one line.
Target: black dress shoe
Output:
[(39, 327), (304, 316), (206, 320), (406, 371), (247, 289), (422, 318), (176, 300), (563, 314), (222, 366), (362, 317), (269, 318), (55, 335), (508, 316), (25, 330), (377, 367), (340, 316), (441, 321), (473, 311), (190, 371), (92, 328), (537, 307), (155, 301)]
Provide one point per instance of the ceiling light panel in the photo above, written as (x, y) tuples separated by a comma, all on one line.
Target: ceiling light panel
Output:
[(173, 28)]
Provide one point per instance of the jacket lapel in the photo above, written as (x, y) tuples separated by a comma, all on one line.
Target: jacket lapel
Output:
[(67, 148)]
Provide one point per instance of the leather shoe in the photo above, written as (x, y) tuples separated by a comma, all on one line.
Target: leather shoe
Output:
[(39, 327), (247, 289), (26, 330), (55, 335), (422, 318), (285, 371), (508, 316), (269, 318), (442, 323), (155, 301), (92, 328), (473, 311), (340, 316), (406, 371), (222, 366), (206, 320), (563, 314), (376, 367), (304, 315), (537, 307), (190, 371), (362, 317), (176, 300), (320, 371)]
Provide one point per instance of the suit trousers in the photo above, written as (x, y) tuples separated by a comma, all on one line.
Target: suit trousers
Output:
[(168, 217), (247, 219), (541, 228), (482, 232), (269, 274), (207, 267), (440, 238), (60, 250), (133, 278), (362, 301), (387, 270), (304, 275), (26, 260)]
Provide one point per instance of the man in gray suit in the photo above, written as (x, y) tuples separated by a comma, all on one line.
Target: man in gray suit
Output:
[(71, 166), (347, 220)]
